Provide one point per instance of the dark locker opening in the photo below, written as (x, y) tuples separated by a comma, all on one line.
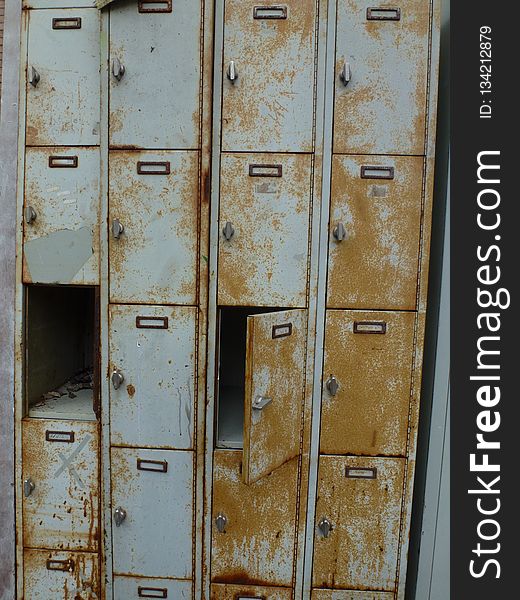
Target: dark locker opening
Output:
[(231, 368), (62, 352)]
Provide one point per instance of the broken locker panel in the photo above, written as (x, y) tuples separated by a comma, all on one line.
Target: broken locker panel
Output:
[(67, 575), (134, 588), (268, 80), (152, 372), (152, 512), (350, 595), (264, 229), (63, 91), (374, 232), (381, 77), (275, 382), (367, 375), (61, 216), (253, 535), (358, 515), (153, 221), (60, 485), (155, 74), (249, 592)]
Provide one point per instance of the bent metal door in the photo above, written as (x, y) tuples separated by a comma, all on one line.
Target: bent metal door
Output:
[(274, 391)]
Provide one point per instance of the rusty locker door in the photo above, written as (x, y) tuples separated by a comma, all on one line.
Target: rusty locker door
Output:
[(63, 575), (264, 229), (155, 74), (350, 595), (152, 512), (60, 485), (367, 375), (253, 534), (152, 366), (374, 233), (249, 592), (153, 219), (63, 92), (358, 515), (381, 77), (274, 391), (268, 83), (61, 216)]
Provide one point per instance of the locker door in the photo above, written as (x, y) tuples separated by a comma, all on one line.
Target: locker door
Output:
[(367, 376), (275, 381), (152, 348), (153, 220), (357, 522), (60, 485), (253, 534), (63, 97), (374, 233), (155, 74), (249, 592), (48, 574), (152, 509), (350, 595), (381, 77), (61, 210), (264, 230), (268, 83), (134, 588)]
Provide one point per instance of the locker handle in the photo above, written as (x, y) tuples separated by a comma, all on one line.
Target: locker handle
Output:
[(29, 214), (118, 70), (150, 167), (151, 322), (270, 12), (383, 14), (345, 73), (377, 172), (325, 527), (149, 592), (117, 228), (119, 515), (67, 23), (332, 385), (260, 402), (28, 487), (33, 77), (155, 6), (63, 162), (229, 231), (220, 522), (155, 466), (60, 565), (232, 73), (117, 379), (265, 171), (339, 232)]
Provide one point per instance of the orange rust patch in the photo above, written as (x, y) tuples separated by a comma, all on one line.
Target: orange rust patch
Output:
[(131, 390)]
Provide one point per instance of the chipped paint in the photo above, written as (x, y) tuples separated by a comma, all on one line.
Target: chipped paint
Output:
[(376, 266), (383, 108), (62, 512), (257, 547), (270, 106), (154, 407), (369, 413), (265, 262), (154, 260), (275, 368), (361, 550)]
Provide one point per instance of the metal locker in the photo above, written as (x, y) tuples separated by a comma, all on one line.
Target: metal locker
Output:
[(63, 91), (274, 392), (367, 377), (29, 4), (130, 588), (152, 512), (264, 229), (60, 485), (64, 575), (374, 232), (249, 592), (155, 74), (253, 535), (358, 515), (61, 216), (153, 220), (152, 368), (350, 595), (381, 77), (268, 82)]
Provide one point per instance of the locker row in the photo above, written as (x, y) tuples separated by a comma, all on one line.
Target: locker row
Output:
[(264, 225), (268, 92)]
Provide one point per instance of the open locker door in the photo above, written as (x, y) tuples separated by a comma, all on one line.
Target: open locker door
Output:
[(274, 391)]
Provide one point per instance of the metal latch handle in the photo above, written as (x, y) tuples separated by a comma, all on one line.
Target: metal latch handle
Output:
[(339, 232), (117, 379), (33, 77), (345, 73), (260, 402), (117, 228), (30, 214), (28, 487), (232, 73), (332, 385), (118, 70), (325, 527), (220, 522), (229, 231), (119, 515)]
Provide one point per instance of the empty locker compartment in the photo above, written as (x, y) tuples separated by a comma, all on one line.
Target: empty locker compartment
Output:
[(60, 475), (249, 592), (61, 352), (61, 575), (134, 588), (264, 221)]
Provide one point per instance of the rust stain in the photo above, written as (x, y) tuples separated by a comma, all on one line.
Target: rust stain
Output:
[(235, 592), (131, 390)]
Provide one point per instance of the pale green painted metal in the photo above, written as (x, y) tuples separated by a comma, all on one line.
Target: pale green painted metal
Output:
[(126, 588)]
